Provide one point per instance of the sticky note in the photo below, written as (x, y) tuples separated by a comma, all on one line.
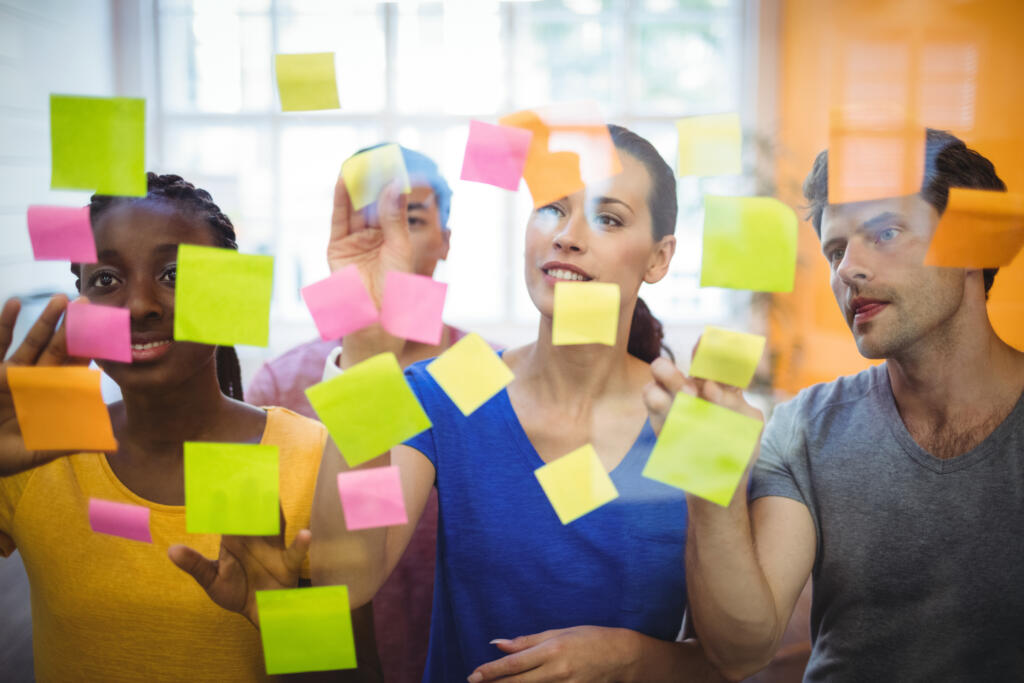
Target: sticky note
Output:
[(222, 297), (576, 484), (100, 332), (866, 163), (367, 173), (585, 313), (306, 82), (368, 408), (979, 229), (495, 155), (340, 304), (411, 307), (61, 233), (749, 243), (703, 449), (372, 498), (231, 488), (306, 629), (61, 408), (119, 519), (710, 145), (470, 372), (727, 357), (98, 143)]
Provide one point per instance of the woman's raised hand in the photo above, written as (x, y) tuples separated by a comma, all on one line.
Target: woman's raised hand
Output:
[(44, 345)]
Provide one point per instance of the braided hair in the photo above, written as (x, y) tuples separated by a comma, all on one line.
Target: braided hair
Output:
[(188, 198)]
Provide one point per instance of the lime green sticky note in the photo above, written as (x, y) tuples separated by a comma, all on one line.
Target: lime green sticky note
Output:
[(231, 488), (306, 82), (703, 449), (576, 484), (306, 629), (367, 173), (222, 297), (368, 408), (470, 372), (710, 145), (726, 356), (749, 243), (98, 143), (585, 313)]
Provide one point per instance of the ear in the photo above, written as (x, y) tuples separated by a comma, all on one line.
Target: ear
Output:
[(446, 237), (661, 258)]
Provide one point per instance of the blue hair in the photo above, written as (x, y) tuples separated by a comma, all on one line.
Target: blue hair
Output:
[(422, 166)]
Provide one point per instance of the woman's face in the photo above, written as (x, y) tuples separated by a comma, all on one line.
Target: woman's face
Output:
[(602, 233), (137, 249)]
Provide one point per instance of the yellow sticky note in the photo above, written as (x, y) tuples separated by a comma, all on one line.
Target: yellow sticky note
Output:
[(727, 357), (60, 408), (585, 313), (306, 82), (368, 409), (703, 449), (710, 145), (576, 484), (749, 243), (470, 372), (367, 173)]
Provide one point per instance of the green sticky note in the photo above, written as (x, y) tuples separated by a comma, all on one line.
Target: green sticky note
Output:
[(749, 243), (703, 449), (727, 357), (98, 143), (222, 297), (231, 488), (368, 409), (576, 484), (585, 313), (710, 145), (367, 173), (306, 82), (306, 629)]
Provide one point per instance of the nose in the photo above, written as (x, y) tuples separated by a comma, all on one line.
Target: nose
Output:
[(142, 299), (854, 269), (572, 234)]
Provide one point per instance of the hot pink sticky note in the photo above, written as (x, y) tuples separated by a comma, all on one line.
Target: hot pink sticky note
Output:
[(340, 304), (372, 498), (61, 233), (119, 519), (412, 307), (496, 155), (99, 332)]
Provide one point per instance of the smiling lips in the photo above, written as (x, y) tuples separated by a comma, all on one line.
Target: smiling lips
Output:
[(143, 351), (866, 309), (564, 272)]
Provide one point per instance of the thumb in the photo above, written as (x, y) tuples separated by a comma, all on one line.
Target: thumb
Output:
[(294, 555), (393, 212), (191, 562)]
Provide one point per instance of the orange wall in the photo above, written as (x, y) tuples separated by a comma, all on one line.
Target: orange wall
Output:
[(809, 339)]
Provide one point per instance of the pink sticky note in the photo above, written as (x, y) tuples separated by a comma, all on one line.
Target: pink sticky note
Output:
[(99, 332), (340, 304), (119, 519), (372, 498), (496, 155), (61, 233), (412, 307)]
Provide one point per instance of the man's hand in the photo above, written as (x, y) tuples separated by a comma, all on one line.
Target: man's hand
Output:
[(581, 653)]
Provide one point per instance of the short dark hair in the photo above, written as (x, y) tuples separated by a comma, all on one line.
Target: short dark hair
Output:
[(419, 164), (948, 163)]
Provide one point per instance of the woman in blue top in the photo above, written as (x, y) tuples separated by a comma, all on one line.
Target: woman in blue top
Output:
[(519, 596)]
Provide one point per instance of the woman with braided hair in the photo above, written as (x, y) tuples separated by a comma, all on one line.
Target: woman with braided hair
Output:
[(110, 609)]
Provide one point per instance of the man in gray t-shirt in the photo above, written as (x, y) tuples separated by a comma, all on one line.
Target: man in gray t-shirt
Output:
[(899, 490)]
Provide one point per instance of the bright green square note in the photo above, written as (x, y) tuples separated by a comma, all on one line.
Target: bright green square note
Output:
[(726, 356), (703, 449), (749, 243), (306, 82), (585, 313), (222, 297), (306, 629), (231, 488), (98, 143), (710, 145), (368, 409)]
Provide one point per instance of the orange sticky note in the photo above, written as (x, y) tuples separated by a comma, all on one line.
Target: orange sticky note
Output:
[(979, 229), (874, 163), (61, 408)]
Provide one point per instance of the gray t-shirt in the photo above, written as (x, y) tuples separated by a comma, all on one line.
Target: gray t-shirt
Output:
[(919, 571)]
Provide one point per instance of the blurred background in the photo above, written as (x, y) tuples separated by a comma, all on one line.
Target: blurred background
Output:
[(416, 72)]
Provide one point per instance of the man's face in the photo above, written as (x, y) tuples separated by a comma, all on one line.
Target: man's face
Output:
[(876, 250), (429, 239)]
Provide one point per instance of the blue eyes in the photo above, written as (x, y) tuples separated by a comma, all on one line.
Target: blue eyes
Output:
[(887, 235)]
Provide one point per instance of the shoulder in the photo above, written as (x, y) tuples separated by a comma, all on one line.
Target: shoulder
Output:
[(836, 397), (294, 433)]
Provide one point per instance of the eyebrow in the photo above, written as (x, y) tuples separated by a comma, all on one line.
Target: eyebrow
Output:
[(610, 200), (881, 219), (417, 206)]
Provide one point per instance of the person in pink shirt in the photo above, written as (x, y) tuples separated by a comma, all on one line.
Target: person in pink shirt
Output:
[(401, 610)]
